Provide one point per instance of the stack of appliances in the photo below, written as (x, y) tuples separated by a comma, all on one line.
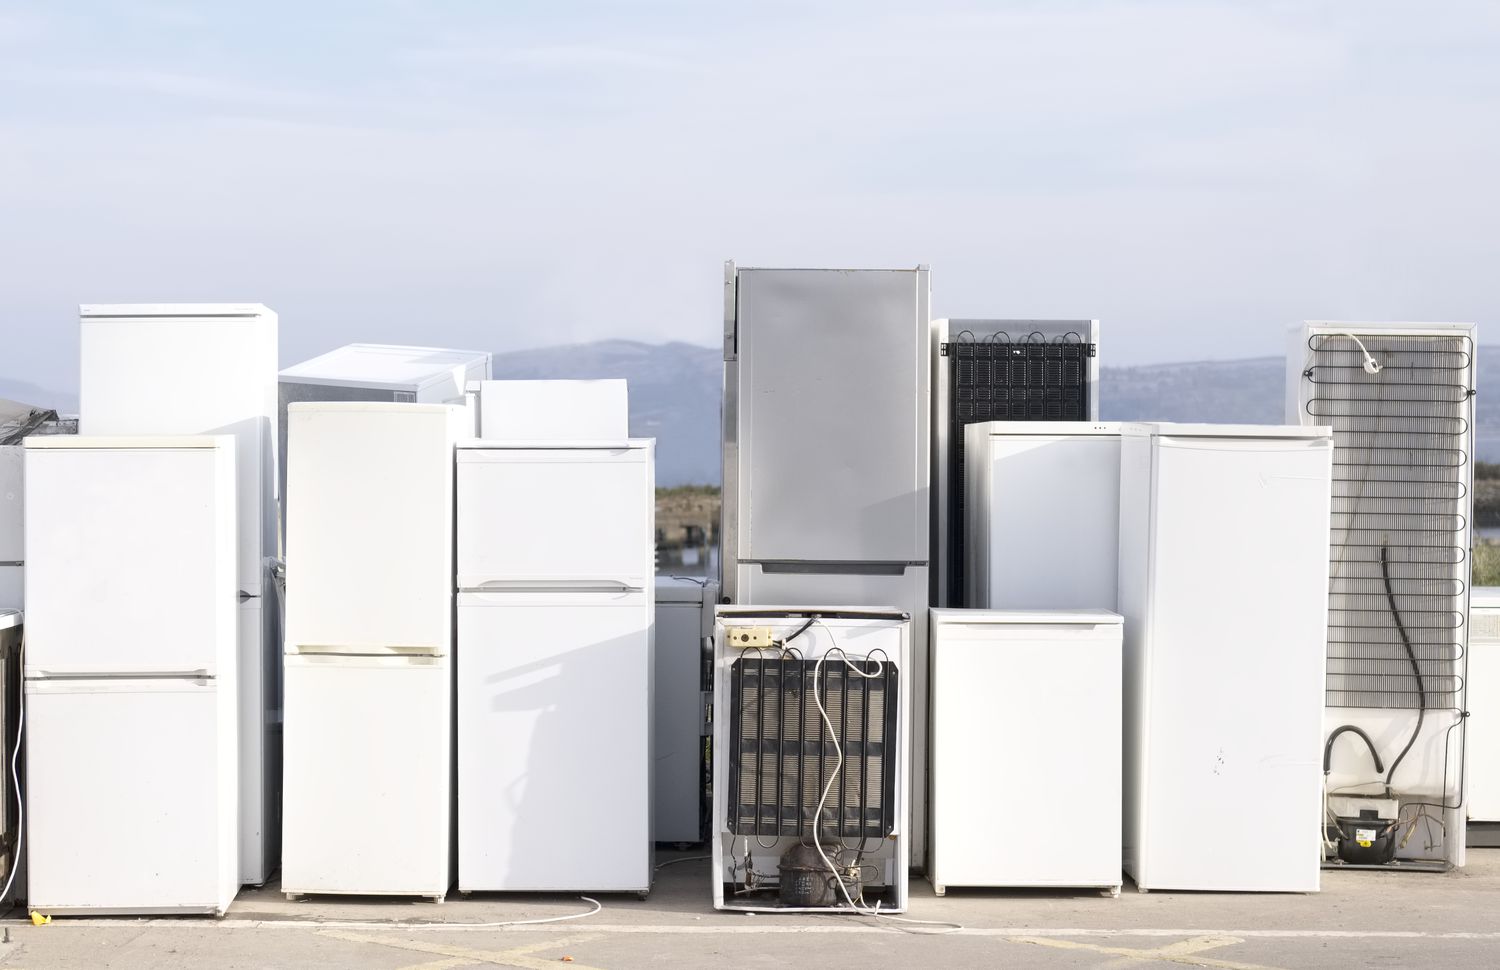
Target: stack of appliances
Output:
[(1400, 399), (1042, 515), (369, 648), (1005, 371), (810, 762), (826, 458), (130, 669), (1025, 711), (679, 707), (1223, 560), (1483, 740), (165, 369), (556, 546)]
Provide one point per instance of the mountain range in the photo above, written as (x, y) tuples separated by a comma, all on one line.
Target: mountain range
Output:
[(675, 390)]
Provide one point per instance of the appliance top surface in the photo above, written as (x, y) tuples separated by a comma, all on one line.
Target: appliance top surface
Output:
[(395, 407), (1171, 430), (1094, 617), (831, 269), (10, 619), (1484, 597), (383, 365), (1362, 326), (1047, 327), (1051, 429), (683, 589), (173, 310), (495, 444), (78, 442), (729, 612)]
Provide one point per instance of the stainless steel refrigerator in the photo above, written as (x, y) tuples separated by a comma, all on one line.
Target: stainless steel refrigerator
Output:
[(827, 379)]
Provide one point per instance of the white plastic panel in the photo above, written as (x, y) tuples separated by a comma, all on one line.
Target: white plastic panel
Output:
[(1483, 700), (554, 410), (677, 711), (554, 741), (370, 527), (1043, 517), (130, 796), (368, 775), (1230, 702), (211, 373), (130, 558), (601, 536), (433, 375), (989, 757), (12, 543)]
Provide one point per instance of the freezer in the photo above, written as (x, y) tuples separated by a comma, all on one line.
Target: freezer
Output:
[(596, 410)]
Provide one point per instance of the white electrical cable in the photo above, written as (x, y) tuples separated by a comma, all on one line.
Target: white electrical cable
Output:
[(15, 775), (438, 925), (1372, 366)]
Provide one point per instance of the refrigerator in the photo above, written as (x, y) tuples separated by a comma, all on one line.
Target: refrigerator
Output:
[(552, 410), (368, 794), (1011, 371), (681, 697), (1483, 741), (556, 547), (1042, 515), (1025, 706), (12, 544), (1223, 573), (130, 669), (188, 368), (826, 457)]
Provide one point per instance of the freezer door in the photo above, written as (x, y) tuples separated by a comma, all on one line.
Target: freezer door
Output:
[(554, 695), (576, 517), (191, 370), (368, 775), (130, 560), (832, 398), (369, 563), (130, 796)]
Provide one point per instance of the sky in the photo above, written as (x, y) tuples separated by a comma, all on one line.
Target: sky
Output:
[(504, 175)]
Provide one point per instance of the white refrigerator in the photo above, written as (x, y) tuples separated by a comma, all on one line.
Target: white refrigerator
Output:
[(1223, 586), (368, 795), (131, 802), (555, 599), (191, 368)]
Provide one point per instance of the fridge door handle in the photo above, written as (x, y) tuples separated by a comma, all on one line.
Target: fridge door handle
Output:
[(540, 583), (154, 673)]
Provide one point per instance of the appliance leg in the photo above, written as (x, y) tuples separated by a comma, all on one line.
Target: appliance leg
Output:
[(436, 900), (293, 897), (1113, 891), (939, 890)]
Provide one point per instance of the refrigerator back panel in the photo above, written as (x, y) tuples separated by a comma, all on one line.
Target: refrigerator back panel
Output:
[(832, 392), (189, 369), (370, 527), (600, 535), (130, 556)]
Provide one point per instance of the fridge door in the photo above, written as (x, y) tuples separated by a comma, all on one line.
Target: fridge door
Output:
[(130, 796), (554, 767), (368, 778), (370, 527), (832, 397), (600, 537), (130, 557)]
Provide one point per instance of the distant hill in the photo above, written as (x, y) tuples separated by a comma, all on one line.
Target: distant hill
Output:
[(675, 388)]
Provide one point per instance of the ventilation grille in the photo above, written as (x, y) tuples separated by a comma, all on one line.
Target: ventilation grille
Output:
[(1006, 377), (782, 756), (1400, 490)]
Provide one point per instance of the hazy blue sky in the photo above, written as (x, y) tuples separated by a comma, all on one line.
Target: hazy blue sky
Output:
[(502, 175)]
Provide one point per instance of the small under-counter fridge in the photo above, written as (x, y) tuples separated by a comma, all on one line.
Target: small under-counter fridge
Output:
[(1483, 741), (369, 649), (556, 547), (1026, 748), (131, 770), (1042, 515), (680, 724), (1223, 587)]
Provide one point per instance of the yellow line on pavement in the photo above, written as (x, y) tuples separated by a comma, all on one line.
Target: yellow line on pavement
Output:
[(519, 956), (1185, 951)]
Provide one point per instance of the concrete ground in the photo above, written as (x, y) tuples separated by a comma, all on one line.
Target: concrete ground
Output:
[(1360, 919)]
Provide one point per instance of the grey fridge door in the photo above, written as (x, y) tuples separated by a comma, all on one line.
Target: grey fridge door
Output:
[(832, 411)]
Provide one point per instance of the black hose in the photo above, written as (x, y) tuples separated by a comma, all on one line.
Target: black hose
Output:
[(1328, 748), (1416, 669), (800, 630)]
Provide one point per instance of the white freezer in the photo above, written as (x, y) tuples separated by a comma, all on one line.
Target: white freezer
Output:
[(554, 767), (368, 782), (1026, 709), (1041, 515), (684, 617), (1223, 573), (554, 410)]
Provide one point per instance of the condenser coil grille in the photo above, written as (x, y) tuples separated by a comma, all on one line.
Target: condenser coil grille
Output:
[(1400, 493), (1004, 376), (782, 755)]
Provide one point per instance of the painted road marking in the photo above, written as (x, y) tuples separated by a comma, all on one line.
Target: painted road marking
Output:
[(1185, 951), (460, 956)]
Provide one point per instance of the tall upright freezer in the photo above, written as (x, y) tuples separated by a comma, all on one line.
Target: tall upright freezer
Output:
[(131, 774), (1223, 565), (210, 368), (368, 798), (556, 547), (826, 457)]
